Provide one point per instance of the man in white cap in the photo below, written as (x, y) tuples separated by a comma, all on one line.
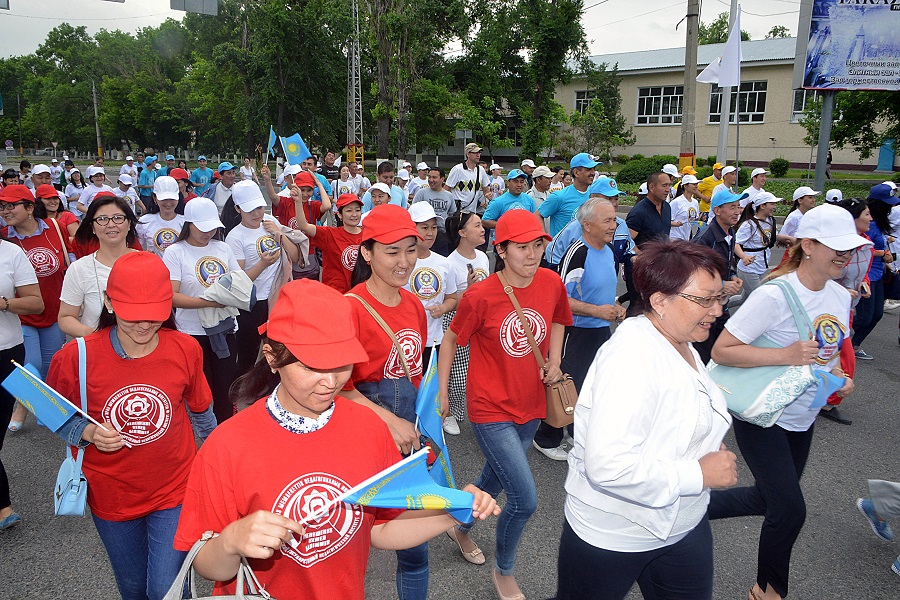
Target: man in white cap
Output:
[(498, 184), (41, 175), (469, 183), (125, 191), (129, 168), (528, 168), (757, 181), (541, 178), (55, 173), (672, 171), (402, 182), (729, 178), (419, 182)]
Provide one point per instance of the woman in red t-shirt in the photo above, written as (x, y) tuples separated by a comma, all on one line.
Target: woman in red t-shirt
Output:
[(47, 251), (244, 492), (48, 205), (339, 245), (505, 387), (145, 384)]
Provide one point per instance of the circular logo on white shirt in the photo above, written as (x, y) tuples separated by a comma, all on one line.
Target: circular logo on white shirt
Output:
[(327, 535), (411, 342), (164, 238), (266, 244), (349, 255), (210, 268), (512, 336), (830, 334), (140, 413), (480, 275), (44, 261), (426, 283)]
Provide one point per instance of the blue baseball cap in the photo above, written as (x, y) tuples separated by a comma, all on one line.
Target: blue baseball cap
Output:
[(606, 187), (169, 157), (201, 157), (583, 160), (225, 166), (515, 173), (885, 193), (149, 160), (725, 197)]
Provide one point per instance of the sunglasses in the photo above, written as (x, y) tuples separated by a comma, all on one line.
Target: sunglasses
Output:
[(707, 301)]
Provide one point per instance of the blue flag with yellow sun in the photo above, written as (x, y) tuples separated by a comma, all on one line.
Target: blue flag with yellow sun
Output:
[(295, 149), (430, 424)]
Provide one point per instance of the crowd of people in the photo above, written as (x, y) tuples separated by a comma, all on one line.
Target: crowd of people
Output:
[(228, 305)]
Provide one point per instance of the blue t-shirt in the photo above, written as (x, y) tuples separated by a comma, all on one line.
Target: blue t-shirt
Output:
[(201, 178), (147, 177), (560, 207), (508, 201), (590, 276), (876, 271), (317, 195), (398, 197)]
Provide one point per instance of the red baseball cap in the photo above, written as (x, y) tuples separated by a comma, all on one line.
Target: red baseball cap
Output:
[(296, 321), (345, 199), (103, 194), (179, 174), (519, 226), (387, 224), (45, 190), (305, 179), (16, 192), (139, 287)]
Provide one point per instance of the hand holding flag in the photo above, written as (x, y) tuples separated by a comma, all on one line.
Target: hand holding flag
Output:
[(430, 422), (295, 149)]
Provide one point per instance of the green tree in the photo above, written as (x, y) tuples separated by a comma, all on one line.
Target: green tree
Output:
[(862, 120), (778, 31), (717, 31), (487, 127)]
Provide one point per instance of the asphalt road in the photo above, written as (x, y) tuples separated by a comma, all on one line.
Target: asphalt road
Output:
[(836, 557)]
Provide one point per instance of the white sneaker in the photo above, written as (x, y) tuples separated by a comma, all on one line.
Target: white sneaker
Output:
[(558, 453), (451, 426), (891, 305), (567, 439)]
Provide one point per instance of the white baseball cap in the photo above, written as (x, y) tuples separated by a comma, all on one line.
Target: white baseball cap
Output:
[(758, 171), (91, 171), (528, 163), (493, 166), (421, 212), (202, 212), (764, 198), (38, 169), (164, 188), (246, 195), (831, 226), (381, 187), (54, 160), (728, 169), (292, 170), (671, 169), (422, 166), (403, 174), (686, 179), (285, 193), (127, 180), (643, 189), (890, 184), (834, 195), (129, 157), (804, 191)]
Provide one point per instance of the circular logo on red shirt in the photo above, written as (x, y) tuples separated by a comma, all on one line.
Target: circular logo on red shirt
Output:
[(210, 268), (512, 336), (349, 255), (426, 283), (164, 238), (411, 342), (140, 413), (293, 223), (44, 261), (329, 534)]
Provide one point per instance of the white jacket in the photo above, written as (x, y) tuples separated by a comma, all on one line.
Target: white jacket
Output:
[(639, 410)]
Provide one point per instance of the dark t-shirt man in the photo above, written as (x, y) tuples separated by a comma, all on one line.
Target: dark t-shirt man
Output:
[(331, 173), (650, 223)]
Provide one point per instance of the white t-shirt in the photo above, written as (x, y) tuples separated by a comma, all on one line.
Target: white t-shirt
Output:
[(249, 245), (131, 171), (197, 268), (751, 194), (498, 186), (247, 173), (129, 196), (416, 184), (84, 285), (718, 189), (791, 223), (360, 184), (431, 280), (88, 193), (72, 190), (15, 271), (339, 186), (556, 186), (156, 234), (221, 196), (750, 236), (686, 211), (55, 173), (894, 220), (766, 312), (480, 265)]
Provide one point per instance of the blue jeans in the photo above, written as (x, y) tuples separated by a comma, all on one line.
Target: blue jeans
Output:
[(41, 344), (505, 446), (141, 553), (399, 397)]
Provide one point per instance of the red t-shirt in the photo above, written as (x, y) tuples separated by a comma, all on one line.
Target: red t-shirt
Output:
[(504, 381), (252, 463), (406, 320), (64, 219), (47, 254), (94, 245), (286, 212), (339, 252), (147, 400)]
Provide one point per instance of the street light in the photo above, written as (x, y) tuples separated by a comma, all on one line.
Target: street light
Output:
[(96, 117)]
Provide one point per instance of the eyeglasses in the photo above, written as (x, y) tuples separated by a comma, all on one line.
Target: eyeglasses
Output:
[(842, 253), (104, 219), (11, 205), (707, 301)]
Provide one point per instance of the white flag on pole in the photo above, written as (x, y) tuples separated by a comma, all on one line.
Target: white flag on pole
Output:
[(726, 70)]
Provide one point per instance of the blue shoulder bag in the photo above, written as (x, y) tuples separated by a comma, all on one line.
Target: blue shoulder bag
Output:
[(70, 492)]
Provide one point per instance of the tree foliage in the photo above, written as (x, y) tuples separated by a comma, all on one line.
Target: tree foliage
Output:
[(778, 31), (716, 32), (862, 120)]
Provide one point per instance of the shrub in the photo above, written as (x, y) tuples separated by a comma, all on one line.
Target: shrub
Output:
[(700, 162), (664, 159), (638, 157), (703, 172), (778, 167), (622, 159), (710, 160), (896, 177), (743, 178), (636, 171)]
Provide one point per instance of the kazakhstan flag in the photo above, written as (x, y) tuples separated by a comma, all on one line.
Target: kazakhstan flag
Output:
[(272, 139), (295, 149), (430, 423)]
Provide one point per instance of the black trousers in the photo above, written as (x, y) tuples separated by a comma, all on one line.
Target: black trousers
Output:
[(248, 337), (776, 458), (220, 374), (7, 402), (579, 349)]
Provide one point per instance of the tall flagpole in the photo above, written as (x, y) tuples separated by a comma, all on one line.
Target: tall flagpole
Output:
[(725, 112)]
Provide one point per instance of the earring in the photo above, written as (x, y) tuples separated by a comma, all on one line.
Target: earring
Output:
[(807, 257), (273, 370), (661, 316)]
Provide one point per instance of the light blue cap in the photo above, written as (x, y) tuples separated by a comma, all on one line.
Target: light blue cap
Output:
[(225, 166), (516, 173), (583, 160), (169, 157), (201, 157), (724, 197), (605, 187), (149, 160)]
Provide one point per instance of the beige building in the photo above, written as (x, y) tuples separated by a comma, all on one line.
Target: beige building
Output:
[(652, 89)]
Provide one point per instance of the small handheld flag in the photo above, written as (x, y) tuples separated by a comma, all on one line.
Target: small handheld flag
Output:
[(430, 423), (270, 149), (827, 384), (295, 149)]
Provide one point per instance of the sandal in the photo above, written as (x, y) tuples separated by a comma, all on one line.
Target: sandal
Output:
[(476, 556), (15, 426)]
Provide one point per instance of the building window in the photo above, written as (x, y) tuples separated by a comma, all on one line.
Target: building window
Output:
[(582, 100), (803, 99), (660, 105), (752, 103)]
